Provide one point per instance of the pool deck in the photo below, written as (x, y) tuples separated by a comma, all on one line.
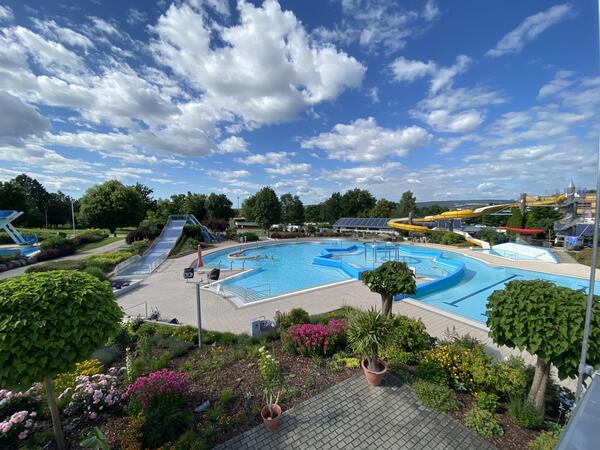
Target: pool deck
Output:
[(168, 291)]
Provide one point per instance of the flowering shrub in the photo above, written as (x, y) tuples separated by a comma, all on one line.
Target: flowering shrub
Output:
[(157, 384), (69, 379), (92, 395), (18, 415), (315, 339)]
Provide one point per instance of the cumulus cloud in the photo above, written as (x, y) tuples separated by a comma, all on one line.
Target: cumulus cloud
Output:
[(268, 158), (529, 29), (63, 34), (288, 169), (235, 78), (233, 144), (441, 77), (19, 120), (364, 140)]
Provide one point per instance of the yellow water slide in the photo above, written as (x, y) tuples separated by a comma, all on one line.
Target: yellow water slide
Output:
[(403, 223)]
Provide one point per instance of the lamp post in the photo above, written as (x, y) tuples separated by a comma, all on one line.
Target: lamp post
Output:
[(73, 216), (583, 367)]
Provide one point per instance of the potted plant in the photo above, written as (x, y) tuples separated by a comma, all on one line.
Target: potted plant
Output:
[(271, 412), (368, 332), (270, 373)]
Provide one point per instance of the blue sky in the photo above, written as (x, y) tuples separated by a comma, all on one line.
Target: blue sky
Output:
[(453, 100)]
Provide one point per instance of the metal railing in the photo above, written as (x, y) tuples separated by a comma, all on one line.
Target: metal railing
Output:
[(125, 264), (157, 262), (136, 305)]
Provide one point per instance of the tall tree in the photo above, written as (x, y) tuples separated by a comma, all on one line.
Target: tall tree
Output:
[(219, 206), (146, 195), (383, 208), (12, 197), (333, 208), (312, 213), (111, 205), (59, 209), (292, 209), (195, 204), (248, 208), (357, 203), (516, 220), (267, 208), (407, 204)]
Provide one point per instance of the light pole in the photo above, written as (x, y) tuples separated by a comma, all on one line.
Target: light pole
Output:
[(583, 367), (73, 216), (199, 314)]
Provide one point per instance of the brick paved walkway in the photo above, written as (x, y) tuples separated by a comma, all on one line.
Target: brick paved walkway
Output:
[(354, 415)]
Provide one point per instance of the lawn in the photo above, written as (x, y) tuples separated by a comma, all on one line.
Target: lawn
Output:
[(585, 257), (93, 245)]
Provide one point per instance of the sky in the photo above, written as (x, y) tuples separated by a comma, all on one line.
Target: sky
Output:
[(450, 99)]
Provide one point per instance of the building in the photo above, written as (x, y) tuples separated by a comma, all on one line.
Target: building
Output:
[(577, 225), (364, 224)]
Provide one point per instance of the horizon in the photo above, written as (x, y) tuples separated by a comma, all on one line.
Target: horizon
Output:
[(227, 97)]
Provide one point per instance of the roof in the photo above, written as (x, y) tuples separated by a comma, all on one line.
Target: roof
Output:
[(362, 222)]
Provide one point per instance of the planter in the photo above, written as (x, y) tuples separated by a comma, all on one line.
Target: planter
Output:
[(374, 378), (271, 424)]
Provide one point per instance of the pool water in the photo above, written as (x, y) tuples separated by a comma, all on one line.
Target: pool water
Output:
[(25, 251), (288, 267)]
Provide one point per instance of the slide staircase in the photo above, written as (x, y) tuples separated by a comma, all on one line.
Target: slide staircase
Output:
[(6, 217), (161, 247)]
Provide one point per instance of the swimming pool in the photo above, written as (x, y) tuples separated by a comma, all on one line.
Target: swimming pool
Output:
[(520, 252), (459, 284), (25, 251)]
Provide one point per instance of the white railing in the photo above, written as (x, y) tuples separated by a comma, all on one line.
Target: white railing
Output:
[(157, 262)]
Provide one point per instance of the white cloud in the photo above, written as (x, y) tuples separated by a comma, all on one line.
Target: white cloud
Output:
[(269, 158), (364, 140), (441, 77), (446, 121), (233, 144), (288, 169), (104, 26), (365, 175), (562, 80), (374, 94), (431, 10), (529, 29), (6, 13), (63, 34), (46, 160), (19, 120), (233, 77), (136, 16)]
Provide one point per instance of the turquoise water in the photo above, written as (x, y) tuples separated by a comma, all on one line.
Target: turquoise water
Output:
[(284, 268)]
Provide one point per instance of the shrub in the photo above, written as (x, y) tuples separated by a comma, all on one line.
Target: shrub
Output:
[(287, 234), (296, 316), (193, 232), (166, 418), (409, 337), (436, 396), (315, 339), (56, 247), (270, 373), (431, 371), (89, 236), (92, 395), (157, 384), (68, 264), (231, 234), (69, 379), (483, 422), (141, 233), (368, 334), (524, 413), (19, 416), (487, 401), (216, 224), (546, 440), (249, 236)]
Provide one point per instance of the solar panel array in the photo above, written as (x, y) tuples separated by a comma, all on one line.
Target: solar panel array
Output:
[(363, 222)]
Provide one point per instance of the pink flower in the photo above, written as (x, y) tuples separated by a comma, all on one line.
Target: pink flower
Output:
[(23, 434)]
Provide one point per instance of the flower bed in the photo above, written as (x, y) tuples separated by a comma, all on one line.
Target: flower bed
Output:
[(315, 339)]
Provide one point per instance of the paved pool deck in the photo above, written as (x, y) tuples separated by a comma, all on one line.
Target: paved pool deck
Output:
[(354, 415), (168, 291)]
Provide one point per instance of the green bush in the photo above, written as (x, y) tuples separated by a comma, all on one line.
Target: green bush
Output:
[(436, 396), (409, 338), (546, 440), (56, 247), (89, 236), (487, 401), (231, 234), (296, 316), (524, 413), (167, 418), (188, 441), (96, 272), (445, 237), (193, 232), (431, 371), (249, 236), (483, 422), (68, 264)]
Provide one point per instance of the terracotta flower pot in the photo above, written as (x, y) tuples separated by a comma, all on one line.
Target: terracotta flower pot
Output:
[(374, 377), (271, 423)]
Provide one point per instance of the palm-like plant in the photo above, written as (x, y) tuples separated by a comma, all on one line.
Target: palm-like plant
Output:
[(368, 332), (389, 279)]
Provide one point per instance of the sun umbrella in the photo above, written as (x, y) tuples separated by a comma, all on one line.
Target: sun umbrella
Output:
[(200, 263)]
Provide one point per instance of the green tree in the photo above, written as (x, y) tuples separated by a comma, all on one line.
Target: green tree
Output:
[(50, 321), (12, 197), (59, 209), (542, 217), (292, 209), (430, 210), (248, 208), (516, 220), (546, 320), (194, 204), (38, 198), (407, 204), (357, 203), (219, 206), (383, 208), (111, 205), (332, 210), (145, 193), (267, 208), (389, 279), (312, 213)]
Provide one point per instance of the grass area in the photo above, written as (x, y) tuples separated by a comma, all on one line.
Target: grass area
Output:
[(584, 257), (93, 245)]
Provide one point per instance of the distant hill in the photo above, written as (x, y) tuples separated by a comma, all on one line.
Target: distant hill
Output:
[(451, 204)]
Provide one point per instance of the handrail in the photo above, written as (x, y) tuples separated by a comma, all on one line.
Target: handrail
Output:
[(157, 262), (125, 264), (139, 304)]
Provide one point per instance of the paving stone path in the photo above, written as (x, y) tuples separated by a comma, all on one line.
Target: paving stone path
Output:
[(354, 415)]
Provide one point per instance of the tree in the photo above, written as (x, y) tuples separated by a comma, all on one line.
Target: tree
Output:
[(383, 208), (292, 209), (145, 193), (407, 204), (248, 208), (112, 205), (357, 203), (389, 279), (12, 197), (194, 204), (546, 320), (542, 217), (430, 210), (516, 220), (332, 210), (312, 213), (59, 209), (38, 198), (219, 206), (50, 321), (267, 208)]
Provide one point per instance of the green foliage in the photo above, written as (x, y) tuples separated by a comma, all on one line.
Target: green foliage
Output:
[(368, 333), (524, 413), (391, 278), (292, 209), (188, 441), (383, 208), (296, 316), (409, 338), (516, 220), (492, 236), (546, 440), (445, 237), (112, 205), (431, 371), (95, 440), (194, 232), (231, 234), (483, 422), (266, 208), (108, 260), (248, 237), (546, 320), (407, 204), (67, 264), (51, 320), (167, 418), (96, 272), (56, 247), (436, 396), (487, 401)]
